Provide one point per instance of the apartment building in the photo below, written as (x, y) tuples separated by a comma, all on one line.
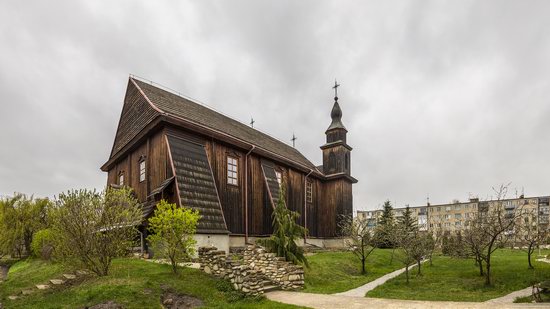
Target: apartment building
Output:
[(455, 216)]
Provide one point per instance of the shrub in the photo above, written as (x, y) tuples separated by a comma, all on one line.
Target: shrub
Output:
[(172, 231), (43, 244), (94, 228)]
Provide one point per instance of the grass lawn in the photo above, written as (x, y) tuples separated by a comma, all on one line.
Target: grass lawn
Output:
[(132, 283), (333, 272), (458, 279)]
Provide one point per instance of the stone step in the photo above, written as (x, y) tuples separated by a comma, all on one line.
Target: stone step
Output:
[(26, 292), (270, 288), (81, 272), (42, 286), (69, 276), (13, 297), (57, 281)]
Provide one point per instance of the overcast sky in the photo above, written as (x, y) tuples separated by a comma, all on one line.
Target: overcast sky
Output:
[(441, 98)]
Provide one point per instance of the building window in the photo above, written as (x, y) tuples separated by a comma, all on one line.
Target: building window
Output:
[(458, 216), (309, 192), (142, 170), (279, 177), (347, 161), (232, 171), (121, 178)]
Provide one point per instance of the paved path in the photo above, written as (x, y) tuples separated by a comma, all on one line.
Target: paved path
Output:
[(512, 296), (362, 290), (321, 301)]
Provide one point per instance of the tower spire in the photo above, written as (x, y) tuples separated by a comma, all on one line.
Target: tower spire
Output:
[(336, 113)]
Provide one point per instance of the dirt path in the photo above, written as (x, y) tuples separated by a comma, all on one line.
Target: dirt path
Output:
[(338, 301)]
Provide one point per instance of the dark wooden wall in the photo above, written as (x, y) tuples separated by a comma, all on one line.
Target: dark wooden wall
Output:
[(330, 198)]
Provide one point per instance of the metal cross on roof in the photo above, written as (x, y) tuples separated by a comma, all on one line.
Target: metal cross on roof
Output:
[(293, 139), (335, 87), (252, 122)]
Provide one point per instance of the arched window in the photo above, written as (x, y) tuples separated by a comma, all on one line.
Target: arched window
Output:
[(346, 161)]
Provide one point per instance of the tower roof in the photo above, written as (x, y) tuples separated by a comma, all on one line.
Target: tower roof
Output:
[(336, 115)]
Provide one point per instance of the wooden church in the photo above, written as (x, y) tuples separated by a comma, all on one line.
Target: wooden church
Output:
[(169, 147)]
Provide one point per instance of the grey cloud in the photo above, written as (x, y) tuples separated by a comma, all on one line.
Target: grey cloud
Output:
[(442, 98)]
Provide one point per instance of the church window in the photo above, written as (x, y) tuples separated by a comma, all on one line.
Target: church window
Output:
[(121, 178), (232, 176), (309, 191), (347, 161), (279, 177), (142, 170)]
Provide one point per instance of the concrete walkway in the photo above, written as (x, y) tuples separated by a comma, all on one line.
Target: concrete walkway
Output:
[(362, 290), (512, 296), (321, 301)]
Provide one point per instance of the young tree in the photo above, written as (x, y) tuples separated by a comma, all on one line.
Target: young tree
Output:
[(433, 242), (285, 232), (529, 234), (411, 242), (94, 228), (406, 242), (172, 231), (358, 238), (489, 230)]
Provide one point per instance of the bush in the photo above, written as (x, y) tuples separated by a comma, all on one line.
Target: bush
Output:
[(42, 245), (93, 228), (172, 231)]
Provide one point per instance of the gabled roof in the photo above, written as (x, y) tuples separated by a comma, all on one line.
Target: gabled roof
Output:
[(136, 115), (184, 108)]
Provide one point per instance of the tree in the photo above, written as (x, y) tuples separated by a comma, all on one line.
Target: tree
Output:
[(172, 231), (435, 242), (412, 243), (358, 238), (407, 223), (94, 228), (385, 226), (20, 218), (529, 234), (407, 243), (285, 232), (489, 230)]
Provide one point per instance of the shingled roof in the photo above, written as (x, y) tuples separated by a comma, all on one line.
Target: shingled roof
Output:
[(161, 101)]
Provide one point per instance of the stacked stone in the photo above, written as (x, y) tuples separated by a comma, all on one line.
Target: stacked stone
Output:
[(257, 271), (282, 273)]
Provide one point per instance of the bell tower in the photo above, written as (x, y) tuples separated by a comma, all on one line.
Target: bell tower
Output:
[(336, 152)]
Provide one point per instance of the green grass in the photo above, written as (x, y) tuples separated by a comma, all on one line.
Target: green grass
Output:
[(333, 272), (458, 279), (132, 283)]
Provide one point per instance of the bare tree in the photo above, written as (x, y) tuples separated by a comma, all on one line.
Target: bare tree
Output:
[(491, 228), (359, 239), (433, 242), (529, 235)]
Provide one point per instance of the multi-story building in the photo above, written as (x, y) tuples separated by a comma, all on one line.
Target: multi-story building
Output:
[(455, 216)]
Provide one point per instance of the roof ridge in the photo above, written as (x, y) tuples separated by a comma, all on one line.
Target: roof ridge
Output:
[(200, 103)]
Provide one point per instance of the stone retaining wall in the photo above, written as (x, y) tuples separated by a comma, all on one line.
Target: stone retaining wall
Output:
[(255, 272)]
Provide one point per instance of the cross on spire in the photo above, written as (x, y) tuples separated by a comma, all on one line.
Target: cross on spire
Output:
[(252, 122), (335, 87), (293, 139)]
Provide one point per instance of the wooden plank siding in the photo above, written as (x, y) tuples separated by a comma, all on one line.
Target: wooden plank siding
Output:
[(330, 198)]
